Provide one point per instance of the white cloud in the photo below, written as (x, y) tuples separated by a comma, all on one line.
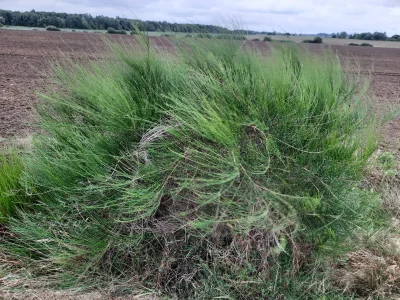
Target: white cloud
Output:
[(307, 16)]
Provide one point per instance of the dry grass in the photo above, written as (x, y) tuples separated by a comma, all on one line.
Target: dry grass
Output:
[(374, 271), (68, 295), (369, 275)]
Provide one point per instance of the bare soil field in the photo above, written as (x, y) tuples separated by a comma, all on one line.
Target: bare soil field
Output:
[(25, 58)]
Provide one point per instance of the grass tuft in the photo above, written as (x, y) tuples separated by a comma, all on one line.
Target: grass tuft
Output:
[(208, 171), (11, 169)]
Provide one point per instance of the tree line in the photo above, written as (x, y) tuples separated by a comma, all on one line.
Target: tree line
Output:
[(368, 36), (86, 21)]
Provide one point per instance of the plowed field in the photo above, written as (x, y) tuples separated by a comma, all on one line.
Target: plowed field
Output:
[(25, 58)]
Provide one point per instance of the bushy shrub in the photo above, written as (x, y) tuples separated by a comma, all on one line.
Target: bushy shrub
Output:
[(207, 172), (354, 44), (52, 28), (256, 40), (316, 40), (267, 39), (112, 30)]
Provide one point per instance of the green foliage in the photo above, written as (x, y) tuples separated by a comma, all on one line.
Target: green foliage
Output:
[(255, 40), (86, 21), (354, 44), (377, 36), (209, 172), (395, 37), (316, 40), (267, 39), (11, 169), (52, 28), (115, 31)]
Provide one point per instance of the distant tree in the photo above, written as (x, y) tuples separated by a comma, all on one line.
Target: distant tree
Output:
[(368, 36), (379, 36), (334, 36), (2, 21), (342, 35), (395, 37), (318, 40)]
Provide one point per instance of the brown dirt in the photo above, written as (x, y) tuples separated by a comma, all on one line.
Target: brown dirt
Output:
[(25, 58)]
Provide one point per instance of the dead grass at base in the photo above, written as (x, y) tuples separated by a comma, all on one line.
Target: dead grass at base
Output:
[(67, 295), (374, 272), (369, 275)]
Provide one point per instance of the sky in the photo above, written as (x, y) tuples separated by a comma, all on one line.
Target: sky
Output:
[(294, 16)]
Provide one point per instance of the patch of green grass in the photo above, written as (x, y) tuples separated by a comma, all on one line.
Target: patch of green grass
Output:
[(206, 172), (11, 169)]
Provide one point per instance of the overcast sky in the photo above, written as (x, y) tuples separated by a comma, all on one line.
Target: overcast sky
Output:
[(299, 16)]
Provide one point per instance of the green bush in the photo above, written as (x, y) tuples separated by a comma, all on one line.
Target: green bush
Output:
[(202, 172), (52, 28), (256, 40), (316, 40), (354, 44), (111, 30), (11, 169), (267, 39)]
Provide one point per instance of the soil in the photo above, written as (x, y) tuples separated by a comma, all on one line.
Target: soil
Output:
[(25, 58)]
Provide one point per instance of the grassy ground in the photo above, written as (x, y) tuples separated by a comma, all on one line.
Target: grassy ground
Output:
[(206, 172)]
